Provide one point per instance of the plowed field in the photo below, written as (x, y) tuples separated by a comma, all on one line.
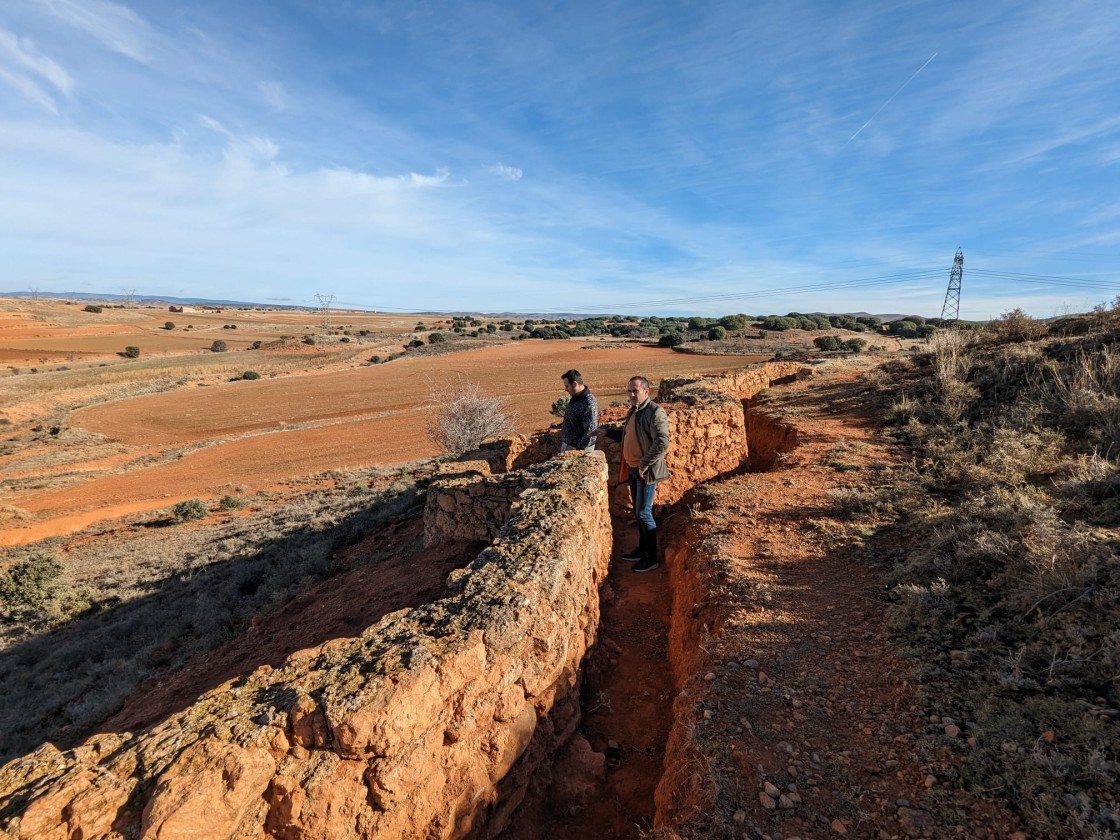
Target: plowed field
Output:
[(256, 435)]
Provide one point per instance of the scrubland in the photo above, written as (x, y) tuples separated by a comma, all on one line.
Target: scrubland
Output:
[(1006, 574)]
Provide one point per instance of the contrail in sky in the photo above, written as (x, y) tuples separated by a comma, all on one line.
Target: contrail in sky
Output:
[(893, 95)]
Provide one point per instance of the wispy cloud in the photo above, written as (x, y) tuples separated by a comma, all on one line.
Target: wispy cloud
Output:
[(509, 173), (117, 27), (30, 72), (369, 147)]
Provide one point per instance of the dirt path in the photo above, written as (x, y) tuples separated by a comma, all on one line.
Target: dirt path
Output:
[(603, 784)]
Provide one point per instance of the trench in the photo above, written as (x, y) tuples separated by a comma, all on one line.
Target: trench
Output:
[(603, 781)]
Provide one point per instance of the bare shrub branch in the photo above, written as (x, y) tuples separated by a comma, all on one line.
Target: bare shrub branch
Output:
[(459, 422)]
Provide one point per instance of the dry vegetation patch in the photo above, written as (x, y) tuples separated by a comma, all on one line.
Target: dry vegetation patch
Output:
[(85, 622), (1009, 594)]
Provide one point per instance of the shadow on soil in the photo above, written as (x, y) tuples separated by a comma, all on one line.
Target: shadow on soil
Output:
[(221, 619)]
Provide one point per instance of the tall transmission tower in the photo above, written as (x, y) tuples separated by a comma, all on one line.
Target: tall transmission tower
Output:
[(128, 295), (951, 308), (325, 302)]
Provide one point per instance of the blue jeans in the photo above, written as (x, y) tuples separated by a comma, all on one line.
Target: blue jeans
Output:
[(641, 495)]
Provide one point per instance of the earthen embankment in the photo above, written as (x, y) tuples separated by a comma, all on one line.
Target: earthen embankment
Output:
[(429, 724)]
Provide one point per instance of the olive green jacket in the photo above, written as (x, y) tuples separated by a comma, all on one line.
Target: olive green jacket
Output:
[(651, 424)]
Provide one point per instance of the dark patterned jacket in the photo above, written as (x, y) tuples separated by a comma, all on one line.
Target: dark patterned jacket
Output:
[(581, 416)]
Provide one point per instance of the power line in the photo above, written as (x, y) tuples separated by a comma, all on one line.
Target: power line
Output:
[(898, 279)]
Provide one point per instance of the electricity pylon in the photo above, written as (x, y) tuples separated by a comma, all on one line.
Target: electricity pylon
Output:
[(325, 302), (950, 310)]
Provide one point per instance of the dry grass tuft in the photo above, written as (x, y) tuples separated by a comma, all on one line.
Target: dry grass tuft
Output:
[(1012, 508)]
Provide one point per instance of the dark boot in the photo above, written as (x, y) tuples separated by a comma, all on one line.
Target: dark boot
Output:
[(638, 552), (649, 561)]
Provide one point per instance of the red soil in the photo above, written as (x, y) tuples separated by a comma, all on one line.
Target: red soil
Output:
[(241, 433)]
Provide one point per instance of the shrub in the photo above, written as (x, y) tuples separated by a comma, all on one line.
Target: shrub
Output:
[(218, 346), (855, 344), (189, 509), (1017, 325), (307, 339), (132, 352), (345, 339), (559, 406), (828, 342), (437, 338), (229, 502), (256, 345), (92, 307), (717, 334), (169, 325), (733, 322), (416, 342), (671, 339), (250, 374), (29, 587), (462, 421)]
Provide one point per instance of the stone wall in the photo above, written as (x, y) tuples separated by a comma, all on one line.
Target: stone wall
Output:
[(428, 725), (706, 426)]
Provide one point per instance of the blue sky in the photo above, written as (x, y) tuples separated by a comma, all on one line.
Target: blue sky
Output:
[(639, 157)]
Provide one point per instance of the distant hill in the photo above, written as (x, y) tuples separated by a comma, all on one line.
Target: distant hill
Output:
[(147, 300)]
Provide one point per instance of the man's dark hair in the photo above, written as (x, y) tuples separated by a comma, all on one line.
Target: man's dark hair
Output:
[(642, 379), (573, 376)]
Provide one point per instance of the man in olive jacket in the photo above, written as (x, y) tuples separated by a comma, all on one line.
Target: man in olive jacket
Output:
[(645, 440)]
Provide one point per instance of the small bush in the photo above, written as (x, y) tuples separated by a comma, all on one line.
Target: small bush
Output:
[(28, 586), (345, 339), (307, 339), (169, 325), (229, 502), (132, 352), (437, 338), (92, 307), (250, 374), (190, 509), (461, 422), (717, 334), (218, 346), (671, 339), (559, 406), (256, 345)]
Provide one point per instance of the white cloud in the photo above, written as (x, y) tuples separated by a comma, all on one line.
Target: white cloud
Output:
[(117, 27), (26, 69), (439, 178), (510, 173)]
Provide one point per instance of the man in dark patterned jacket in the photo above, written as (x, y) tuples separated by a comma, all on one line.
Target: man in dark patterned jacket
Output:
[(581, 416)]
